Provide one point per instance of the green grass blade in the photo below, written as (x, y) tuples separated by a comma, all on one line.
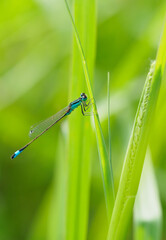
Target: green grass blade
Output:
[(79, 128), (147, 208), (56, 221), (134, 159), (104, 160), (109, 134)]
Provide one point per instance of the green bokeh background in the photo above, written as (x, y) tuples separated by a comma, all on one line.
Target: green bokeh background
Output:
[(35, 68)]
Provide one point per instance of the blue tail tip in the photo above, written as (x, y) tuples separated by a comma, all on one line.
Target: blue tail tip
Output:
[(16, 154)]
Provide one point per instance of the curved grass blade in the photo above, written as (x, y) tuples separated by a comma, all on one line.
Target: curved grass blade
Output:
[(104, 159), (135, 155)]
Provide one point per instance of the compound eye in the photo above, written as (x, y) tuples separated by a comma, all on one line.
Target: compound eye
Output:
[(83, 95)]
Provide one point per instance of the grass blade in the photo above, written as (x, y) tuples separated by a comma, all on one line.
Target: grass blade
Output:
[(134, 159), (56, 220), (104, 160), (79, 128), (109, 134), (147, 208)]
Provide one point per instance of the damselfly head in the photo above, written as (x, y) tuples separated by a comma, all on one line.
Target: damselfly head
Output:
[(83, 96)]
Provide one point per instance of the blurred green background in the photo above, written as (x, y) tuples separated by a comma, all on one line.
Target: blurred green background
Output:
[(35, 68)]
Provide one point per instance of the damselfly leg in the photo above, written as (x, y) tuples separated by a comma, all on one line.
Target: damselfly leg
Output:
[(85, 106)]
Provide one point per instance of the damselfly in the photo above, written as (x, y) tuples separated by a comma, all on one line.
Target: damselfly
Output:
[(38, 130)]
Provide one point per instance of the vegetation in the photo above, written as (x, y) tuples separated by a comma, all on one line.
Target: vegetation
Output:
[(62, 186)]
